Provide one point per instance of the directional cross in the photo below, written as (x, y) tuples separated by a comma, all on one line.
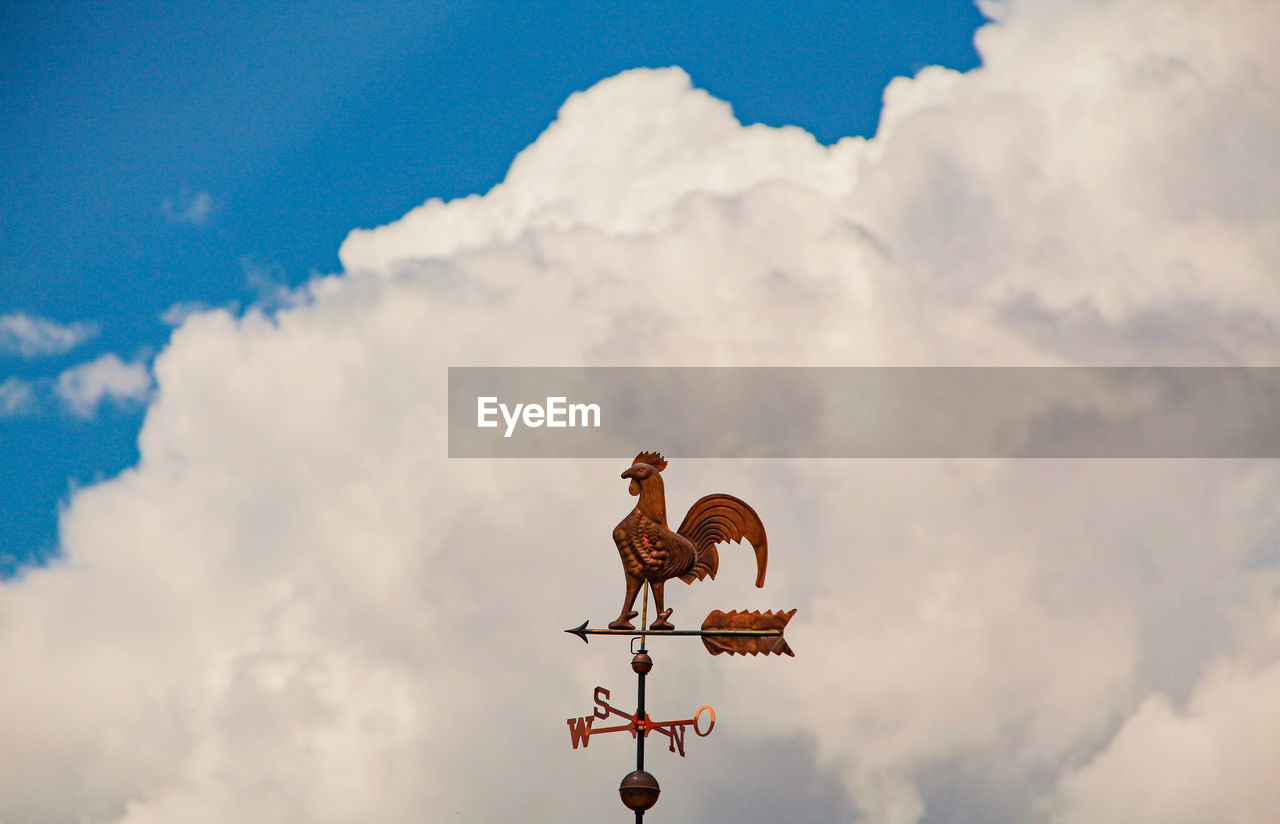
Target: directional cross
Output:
[(581, 729)]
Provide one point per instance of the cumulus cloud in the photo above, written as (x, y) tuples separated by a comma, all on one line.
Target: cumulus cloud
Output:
[(85, 387), (1213, 760), (189, 209), (297, 608), (31, 337)]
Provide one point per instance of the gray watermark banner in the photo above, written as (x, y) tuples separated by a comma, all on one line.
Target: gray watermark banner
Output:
[(821, 412)]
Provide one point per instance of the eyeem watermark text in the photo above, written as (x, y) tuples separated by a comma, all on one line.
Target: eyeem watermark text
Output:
[(558, 413)]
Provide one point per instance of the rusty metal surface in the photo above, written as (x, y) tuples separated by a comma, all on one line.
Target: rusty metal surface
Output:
[(582, 631), (654, 553), (639, 724), (717, 639), (639, 790)]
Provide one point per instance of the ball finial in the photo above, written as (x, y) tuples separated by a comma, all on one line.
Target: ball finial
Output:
[(639, 790)]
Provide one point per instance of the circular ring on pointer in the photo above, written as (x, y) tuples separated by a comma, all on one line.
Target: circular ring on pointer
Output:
[(710, 726)]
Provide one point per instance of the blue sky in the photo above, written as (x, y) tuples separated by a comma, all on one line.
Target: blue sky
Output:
[(160, 154)]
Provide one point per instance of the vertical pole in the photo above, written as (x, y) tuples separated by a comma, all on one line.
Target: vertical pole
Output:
[(640, 735), (640, 716)]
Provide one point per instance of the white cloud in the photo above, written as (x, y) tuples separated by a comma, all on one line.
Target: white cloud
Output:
[(1213, 761), (180, 311), (33, 336), (296, 608), (16, 398), (617, 170), (270, 285), (85, 387), (190, 209)]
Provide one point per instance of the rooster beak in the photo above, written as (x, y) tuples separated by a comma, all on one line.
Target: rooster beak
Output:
[(634, 486)]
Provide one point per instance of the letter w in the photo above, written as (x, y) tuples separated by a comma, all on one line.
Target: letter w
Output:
[(580, 730)]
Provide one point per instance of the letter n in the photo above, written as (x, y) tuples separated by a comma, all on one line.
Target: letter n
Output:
[(580, 730), (677, 738)]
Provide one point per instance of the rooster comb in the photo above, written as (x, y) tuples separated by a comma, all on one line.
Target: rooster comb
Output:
[(653, 459)]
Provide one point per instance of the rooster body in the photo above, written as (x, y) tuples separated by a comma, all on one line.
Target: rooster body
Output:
[(652, 552)]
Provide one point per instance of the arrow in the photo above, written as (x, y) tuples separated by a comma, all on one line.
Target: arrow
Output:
[(582, 632)]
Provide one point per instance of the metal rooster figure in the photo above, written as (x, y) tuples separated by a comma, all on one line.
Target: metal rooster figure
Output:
[(653, 554)]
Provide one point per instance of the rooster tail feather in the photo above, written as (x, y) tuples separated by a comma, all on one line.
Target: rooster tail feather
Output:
[(717, 519)]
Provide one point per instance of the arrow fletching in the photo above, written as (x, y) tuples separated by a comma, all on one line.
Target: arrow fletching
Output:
[(747, 644)]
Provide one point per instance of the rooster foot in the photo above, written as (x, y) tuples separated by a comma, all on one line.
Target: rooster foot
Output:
[(661, 622), (624, 621)]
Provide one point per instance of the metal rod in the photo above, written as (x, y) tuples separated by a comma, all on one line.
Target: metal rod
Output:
[(644, 614), (640, 733), (710, 633)]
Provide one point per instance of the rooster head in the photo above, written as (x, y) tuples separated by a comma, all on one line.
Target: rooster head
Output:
[(646, 467)]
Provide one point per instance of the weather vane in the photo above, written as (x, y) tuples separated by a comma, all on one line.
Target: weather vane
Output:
[(652, 554)]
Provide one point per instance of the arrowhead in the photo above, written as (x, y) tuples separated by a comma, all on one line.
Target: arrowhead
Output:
[(580, 631)]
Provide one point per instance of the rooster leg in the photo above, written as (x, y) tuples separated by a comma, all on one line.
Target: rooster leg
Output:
[(624, 618), (661, 621)]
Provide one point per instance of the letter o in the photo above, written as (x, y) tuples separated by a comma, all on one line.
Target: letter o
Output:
[(710, 726)]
